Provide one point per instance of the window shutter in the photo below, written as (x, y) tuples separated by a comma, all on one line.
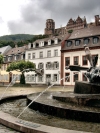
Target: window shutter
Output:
[(39, 66), (53, 65), (57, 64), (46, 65)]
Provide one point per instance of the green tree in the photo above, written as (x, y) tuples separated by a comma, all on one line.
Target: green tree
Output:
[(1, 60), (20, 67)]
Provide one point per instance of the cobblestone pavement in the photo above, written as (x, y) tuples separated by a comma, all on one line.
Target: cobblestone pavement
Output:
[(4, 129), (25, 90)]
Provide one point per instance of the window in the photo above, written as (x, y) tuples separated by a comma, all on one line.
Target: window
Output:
[(86, 41), (41, 54), (95, 40), (37, 45), (48, 65), (31, 45), (49, 42), (56, 41), (5, 59), (75, 76), (48, 78), (21, 56), (29, 56), (27, 78), (10, 58), (77, 42), (33, 78), (40, 65), (56, 52), (55, 77), (18, 78), (49, 53), (93, 59), (33, 55), (40, 78), (67, 77), (85, 62), (69, 43), (56, 65), (76, 60), (84, 77), (17, 57), (67, 61)]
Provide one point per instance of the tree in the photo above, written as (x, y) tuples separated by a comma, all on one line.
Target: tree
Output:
[(70, 31), (1, 61), (20, 67)]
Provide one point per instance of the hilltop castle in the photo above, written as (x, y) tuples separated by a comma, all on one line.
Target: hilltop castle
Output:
[(79, 23)]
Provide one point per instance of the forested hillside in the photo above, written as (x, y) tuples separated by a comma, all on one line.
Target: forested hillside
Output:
[(16, 37), (19, 39)]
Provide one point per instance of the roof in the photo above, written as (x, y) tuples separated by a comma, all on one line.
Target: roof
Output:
[(61, 37), (81, 34), (86, 32), (17, 50), (4, 49)]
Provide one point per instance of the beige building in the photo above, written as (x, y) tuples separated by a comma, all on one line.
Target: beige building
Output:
[(72, 52), (12, 55)]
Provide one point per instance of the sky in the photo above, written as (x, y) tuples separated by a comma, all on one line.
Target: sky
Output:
[(29, 16)]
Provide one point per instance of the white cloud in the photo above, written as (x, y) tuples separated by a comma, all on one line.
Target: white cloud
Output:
[(29, 16)]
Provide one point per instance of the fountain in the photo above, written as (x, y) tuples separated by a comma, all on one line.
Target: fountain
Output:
[(83, 104)]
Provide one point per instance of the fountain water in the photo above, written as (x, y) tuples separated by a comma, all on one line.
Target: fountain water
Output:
[(38, 97), (70, 105), (85, 94)]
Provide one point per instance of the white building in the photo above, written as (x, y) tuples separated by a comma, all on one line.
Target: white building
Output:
[(46, 54)]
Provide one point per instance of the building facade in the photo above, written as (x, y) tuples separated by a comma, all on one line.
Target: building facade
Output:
[(12, 55), (72, 52), (45, 53)]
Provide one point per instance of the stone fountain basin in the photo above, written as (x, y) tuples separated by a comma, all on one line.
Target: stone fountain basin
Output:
[(49, 103)]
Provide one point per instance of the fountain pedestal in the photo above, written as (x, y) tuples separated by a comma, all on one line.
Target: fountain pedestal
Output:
[(86, 88)]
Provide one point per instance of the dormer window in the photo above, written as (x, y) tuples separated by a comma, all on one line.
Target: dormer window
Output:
[(37, 45), (86, 41), (77, 42), (42, 43), (49, 42), (56, 41), (95, 40), (31, 45), (45, 43), (69, 43)]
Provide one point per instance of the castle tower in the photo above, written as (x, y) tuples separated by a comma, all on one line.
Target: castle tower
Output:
[(97, 20), (50, 27)]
